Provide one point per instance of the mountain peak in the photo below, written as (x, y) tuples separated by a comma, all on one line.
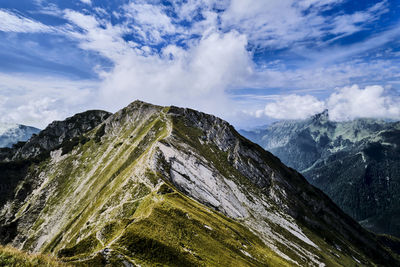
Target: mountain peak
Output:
[(12, 133), (174, 186), (6, 126), (321, 117)]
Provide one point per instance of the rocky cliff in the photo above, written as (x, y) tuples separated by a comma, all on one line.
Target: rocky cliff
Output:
[(165, 185)]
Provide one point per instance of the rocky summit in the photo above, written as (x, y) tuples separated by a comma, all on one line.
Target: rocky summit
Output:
[(356, 163), (152, 185)]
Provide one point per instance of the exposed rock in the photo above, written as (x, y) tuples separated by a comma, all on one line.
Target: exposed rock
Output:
[(56, 133)]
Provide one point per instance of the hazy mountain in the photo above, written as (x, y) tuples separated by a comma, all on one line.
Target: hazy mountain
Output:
[(14, 133), (357, 163), (164, 185)]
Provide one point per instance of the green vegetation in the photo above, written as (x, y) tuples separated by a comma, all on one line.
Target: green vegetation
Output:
[(11, 257), (83, 247), (171, 229)]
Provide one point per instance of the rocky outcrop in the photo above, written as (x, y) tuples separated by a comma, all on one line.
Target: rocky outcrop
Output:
[(55, 134), (16, 161)]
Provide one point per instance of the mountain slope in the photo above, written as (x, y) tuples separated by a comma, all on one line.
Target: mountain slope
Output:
[(11, 134), (165, 185), (12, 257), (356, 163)]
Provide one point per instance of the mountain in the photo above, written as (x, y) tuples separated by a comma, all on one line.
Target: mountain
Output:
[(152, 185), (12, 133), (356, 163)]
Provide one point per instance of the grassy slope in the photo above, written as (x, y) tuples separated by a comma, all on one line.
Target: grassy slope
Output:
[(170, 229), (141, 228), (13, 257)]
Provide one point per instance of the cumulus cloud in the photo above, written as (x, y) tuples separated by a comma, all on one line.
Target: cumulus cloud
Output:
[(346, 103), (12, 22), (197, 77), (293, 107), (371, 102)]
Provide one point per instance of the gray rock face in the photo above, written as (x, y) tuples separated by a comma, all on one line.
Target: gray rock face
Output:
[(59, 131), (15, 161), (221, 134), (356, 163), (12, 134)]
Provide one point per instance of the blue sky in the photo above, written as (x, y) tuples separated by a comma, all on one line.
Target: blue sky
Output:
[(248, 61)]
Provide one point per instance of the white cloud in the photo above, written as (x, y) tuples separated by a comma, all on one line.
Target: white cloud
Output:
[(197, 77), (371, 102), (89, 2), (293, 107), (346, 103), (200, 73), (275, 22), (351, 23), (38, 100), (98, 36), (150, 21), (12, 22)]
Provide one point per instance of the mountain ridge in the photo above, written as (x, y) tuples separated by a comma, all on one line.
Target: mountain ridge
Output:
[(221, 200), (354, 162)]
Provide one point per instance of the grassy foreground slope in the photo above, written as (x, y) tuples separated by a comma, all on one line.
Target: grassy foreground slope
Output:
[(11, 257)]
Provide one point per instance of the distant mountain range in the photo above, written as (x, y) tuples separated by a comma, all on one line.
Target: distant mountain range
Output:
[(356, 163), (13, 133), (168, 186)]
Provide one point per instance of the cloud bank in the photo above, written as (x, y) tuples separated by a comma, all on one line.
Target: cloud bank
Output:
[(346, 103)]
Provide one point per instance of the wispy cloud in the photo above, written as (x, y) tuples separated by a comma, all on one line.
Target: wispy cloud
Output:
[(89, 2), (149, 21), (281, 23), (347, 24), (13, 22)]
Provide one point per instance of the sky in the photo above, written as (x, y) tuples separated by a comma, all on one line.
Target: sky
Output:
[(248, 61)]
